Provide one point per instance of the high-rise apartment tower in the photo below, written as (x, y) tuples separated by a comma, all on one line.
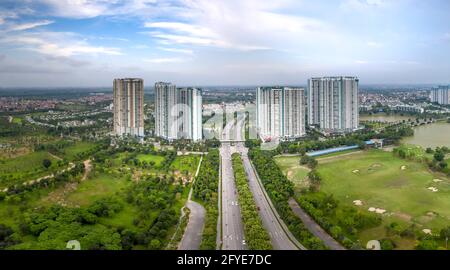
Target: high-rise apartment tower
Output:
[(280, 112), (441, 95), (333, 103), (128, 95), (178, 112)]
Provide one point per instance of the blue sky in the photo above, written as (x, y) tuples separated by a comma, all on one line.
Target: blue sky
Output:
[(223, 42)]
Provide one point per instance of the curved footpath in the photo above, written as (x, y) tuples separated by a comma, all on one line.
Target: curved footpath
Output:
[(192, 236), (313, 227)]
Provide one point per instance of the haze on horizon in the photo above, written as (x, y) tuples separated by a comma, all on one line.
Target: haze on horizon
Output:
[(223, 42)]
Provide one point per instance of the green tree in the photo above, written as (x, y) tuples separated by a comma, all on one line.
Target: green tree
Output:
[(155, 244), (439, 156), (46, 163)]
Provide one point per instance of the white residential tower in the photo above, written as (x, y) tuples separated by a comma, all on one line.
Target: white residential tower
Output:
[(178, 112), (280, 112), (333, 103)]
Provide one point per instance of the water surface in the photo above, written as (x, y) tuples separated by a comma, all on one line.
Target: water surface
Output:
[(431, 135)]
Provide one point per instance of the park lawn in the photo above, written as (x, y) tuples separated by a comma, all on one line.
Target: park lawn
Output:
[(25, 167), (17, 120), (79, 147), (296, 173), (187, 163), (148, 158), (100, 186), (376, 178), (125, 217)]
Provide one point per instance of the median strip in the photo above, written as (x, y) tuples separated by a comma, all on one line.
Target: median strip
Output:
[(257, 237)]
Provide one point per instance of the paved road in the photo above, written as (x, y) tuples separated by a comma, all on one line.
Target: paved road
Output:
[(279, 239), (232, 228), (194, 230), (313, 227)]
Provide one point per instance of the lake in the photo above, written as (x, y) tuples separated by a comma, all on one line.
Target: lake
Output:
[(382, 117), (432, 135)]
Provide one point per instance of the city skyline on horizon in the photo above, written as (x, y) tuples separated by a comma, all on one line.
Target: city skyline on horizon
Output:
[(48, 43)]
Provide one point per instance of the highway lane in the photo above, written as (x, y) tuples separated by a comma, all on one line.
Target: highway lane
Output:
[(232, 223), (278, 237), (232, 228)]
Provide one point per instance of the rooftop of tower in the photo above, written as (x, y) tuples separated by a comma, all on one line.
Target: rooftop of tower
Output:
[(335, 78), (129, 79), (280, 87)]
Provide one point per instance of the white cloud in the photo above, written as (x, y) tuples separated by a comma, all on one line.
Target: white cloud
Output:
[(176, 50), (193, 30), (242, 25), (164, 60), (363, 4), (141, 46), (7, 15), (57, 44), (27, 26), (361, 62), (94, 8), (79, 8), (374, 44)]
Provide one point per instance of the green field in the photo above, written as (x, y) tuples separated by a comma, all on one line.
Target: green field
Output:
[(99, 186), (148, 158), (24, 167), (186, 164), (381, 180), (79, 147), (17, 120), (293, 170)]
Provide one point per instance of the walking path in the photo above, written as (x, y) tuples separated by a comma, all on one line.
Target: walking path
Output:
[(313, 227), (192, 236)]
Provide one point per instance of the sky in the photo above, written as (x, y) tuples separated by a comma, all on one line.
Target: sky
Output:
[(88, 43)]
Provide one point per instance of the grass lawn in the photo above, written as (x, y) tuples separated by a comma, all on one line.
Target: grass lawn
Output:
[(124, 218), (381, 180), (157, 159), (24, 167), (99, 186), (17, 120), (79, 147), (293, 170), (186, 164)]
